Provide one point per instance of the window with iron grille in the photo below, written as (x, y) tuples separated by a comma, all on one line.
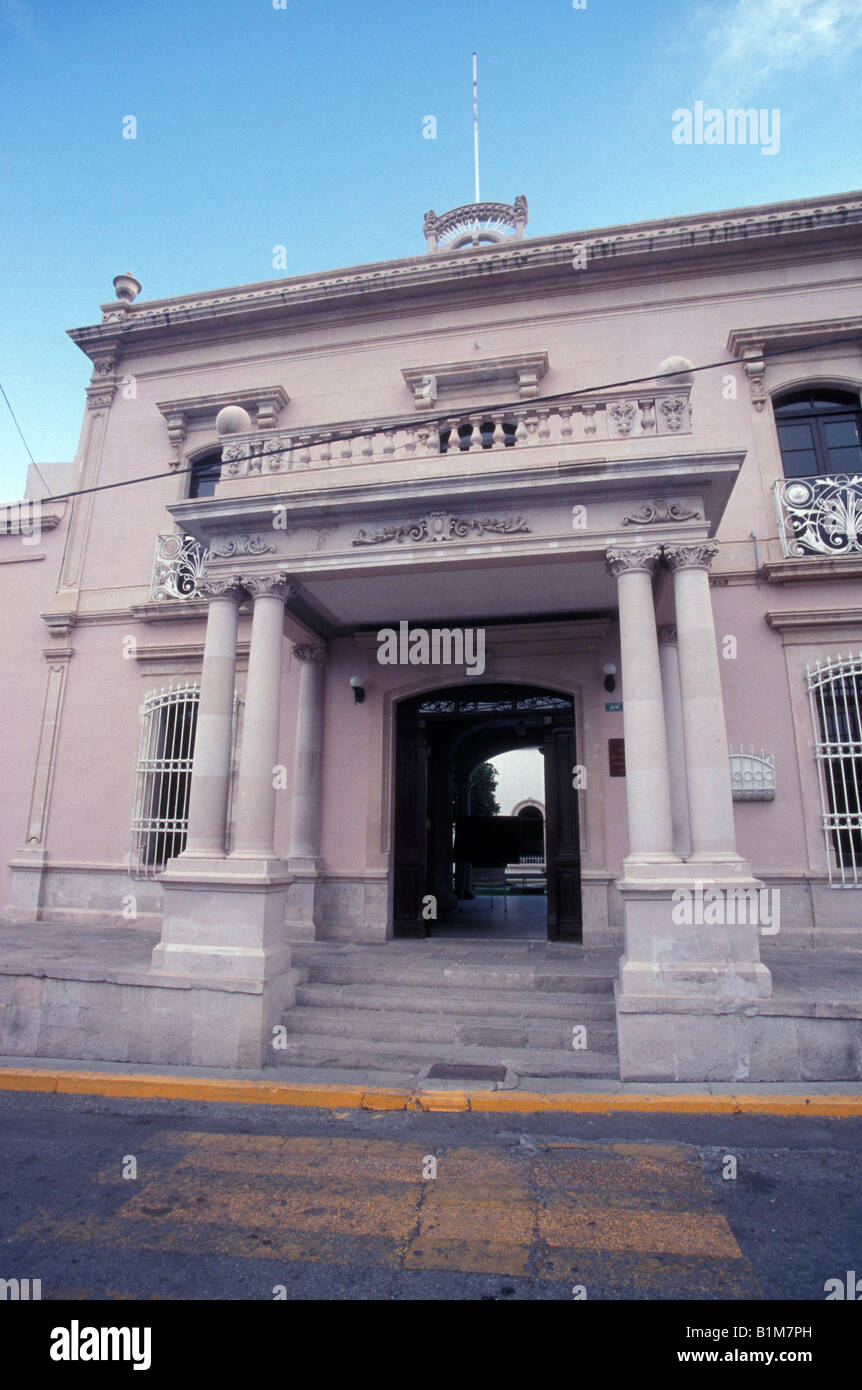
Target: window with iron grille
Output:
[(164, 773), (835, 691)]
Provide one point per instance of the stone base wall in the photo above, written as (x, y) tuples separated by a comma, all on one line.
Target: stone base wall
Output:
[(696, 1043), (143, 1019)]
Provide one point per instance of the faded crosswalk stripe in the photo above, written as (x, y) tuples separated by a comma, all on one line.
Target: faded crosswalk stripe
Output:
[(636, 1219)]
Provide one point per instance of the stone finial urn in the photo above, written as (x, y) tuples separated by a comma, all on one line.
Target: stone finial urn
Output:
[(127, 287)]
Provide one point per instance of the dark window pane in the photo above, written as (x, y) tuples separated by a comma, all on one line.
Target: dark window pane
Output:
[(840, 432), (206, 473), (795, 437), (844, 460)]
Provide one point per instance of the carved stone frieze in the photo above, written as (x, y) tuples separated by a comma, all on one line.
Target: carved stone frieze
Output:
[(673, 410), (255, 454), (622, 413), (667, 635), (640, 244), (697, 555), (443, 526), (226, 547), (655, 513), (620, 560)]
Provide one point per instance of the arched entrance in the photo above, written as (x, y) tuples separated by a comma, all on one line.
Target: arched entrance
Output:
[(441, 736)]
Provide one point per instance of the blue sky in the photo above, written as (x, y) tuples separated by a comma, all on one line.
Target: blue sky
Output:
[(302, 127)]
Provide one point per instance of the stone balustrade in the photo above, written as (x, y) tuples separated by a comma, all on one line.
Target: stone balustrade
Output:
[(642, 414)]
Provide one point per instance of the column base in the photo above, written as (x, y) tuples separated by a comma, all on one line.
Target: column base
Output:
[(25, 891), (696, 939), (303, 901), (225, 920)]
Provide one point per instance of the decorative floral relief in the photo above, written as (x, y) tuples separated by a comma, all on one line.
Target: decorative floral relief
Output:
[(443, 526), (622, 413), (672, 408), (653, 513), (225, 547)]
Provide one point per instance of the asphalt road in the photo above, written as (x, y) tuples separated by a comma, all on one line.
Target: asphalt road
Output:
[(257, 1203)]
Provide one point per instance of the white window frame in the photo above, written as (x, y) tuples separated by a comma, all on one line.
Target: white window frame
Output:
[(834, 687), (163, 779)]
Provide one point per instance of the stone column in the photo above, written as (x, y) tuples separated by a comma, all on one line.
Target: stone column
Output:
[(668, 659), (308, 757), (255, 819), (713, 835), (647, 776), (208, 795)]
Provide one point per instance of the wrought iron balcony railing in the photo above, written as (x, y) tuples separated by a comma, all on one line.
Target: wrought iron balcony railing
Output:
[(820, 515), (178, 567)]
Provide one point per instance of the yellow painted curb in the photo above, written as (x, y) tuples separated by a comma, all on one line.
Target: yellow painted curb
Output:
[(147, 1086)]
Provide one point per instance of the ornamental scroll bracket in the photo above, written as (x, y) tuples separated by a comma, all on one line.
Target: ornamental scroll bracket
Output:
[(658, 512), (437, 527)]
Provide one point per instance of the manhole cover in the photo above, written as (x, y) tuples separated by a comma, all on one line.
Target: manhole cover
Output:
[(451, 1071)]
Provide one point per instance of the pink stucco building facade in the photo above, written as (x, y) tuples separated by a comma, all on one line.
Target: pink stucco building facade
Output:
[(629, 459)]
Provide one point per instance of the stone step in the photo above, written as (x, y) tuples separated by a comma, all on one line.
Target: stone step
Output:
[(344, 970), (385, 1025), (363, 1055), (508, 1003)]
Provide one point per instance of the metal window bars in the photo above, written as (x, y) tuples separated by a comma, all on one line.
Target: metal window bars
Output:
[(835, 693), (163, 778)]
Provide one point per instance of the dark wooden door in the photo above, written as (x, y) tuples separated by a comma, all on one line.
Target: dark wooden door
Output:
[(563, 846), (410, 838)]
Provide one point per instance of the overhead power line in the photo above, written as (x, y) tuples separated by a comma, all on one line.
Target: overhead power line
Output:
[(23, 440), (333, 437)]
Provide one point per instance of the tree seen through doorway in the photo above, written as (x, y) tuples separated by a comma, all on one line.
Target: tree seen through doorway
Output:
[(483, 782)]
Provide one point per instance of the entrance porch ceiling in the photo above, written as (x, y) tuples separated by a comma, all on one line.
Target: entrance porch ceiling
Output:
[(505, 546), (488, 592)]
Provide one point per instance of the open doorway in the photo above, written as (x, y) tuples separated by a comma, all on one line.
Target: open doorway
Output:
[(463, 874)]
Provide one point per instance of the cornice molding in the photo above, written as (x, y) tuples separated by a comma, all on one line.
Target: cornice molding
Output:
[(787, 619), (812, 569), (264, 403), (613, 248), (520, 374), (771, 337), (800, 626)]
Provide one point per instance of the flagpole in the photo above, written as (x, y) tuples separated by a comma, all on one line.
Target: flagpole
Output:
[(476, 127)]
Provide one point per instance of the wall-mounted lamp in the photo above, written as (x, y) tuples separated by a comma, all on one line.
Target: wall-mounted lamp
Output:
[(357, 688), (610, 674)]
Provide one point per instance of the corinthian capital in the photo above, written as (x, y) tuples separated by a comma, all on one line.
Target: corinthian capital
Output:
[(620, 560), (310, 653), (692, 555), (268, 585), (221, 586)]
